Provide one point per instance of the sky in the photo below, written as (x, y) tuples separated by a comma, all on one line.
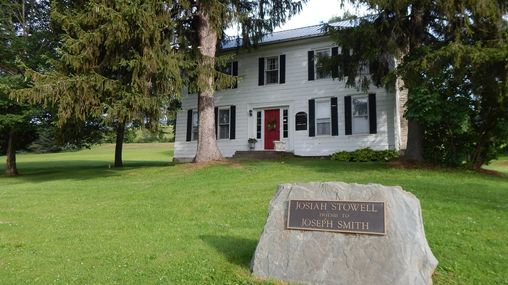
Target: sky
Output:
[(315, 12)]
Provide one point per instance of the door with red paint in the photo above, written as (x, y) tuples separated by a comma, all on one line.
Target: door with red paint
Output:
[(272, 127)]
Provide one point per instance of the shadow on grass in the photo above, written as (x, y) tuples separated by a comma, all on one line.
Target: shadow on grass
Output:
[(40, 171), (237, 250)]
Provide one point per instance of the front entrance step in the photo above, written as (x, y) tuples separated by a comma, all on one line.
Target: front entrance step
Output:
[(262, 154)]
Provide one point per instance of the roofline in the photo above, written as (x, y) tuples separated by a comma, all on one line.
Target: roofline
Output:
[(277, 42)]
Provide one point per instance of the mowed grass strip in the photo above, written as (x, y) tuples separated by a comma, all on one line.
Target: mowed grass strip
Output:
[(71, 219)]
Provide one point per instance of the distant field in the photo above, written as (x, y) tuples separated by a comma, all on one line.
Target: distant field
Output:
[(500, 165), (71, 219)]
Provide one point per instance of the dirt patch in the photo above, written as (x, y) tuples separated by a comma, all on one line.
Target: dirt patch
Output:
[(200, 165), (491, 172), (406, 164)]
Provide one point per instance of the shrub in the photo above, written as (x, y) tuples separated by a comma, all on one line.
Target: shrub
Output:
[(341, 156), (365, 154)]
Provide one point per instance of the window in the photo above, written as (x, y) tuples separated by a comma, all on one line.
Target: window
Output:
[(323, 118), (320, 55), (363, 69), (272, 70), (258, 125), (224, 123), (285, 123), (360, 113), (195, 125), (301, 121), (228, 68)]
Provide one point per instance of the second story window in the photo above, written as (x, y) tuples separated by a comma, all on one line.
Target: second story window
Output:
[(321, 55), (231, 68), (272, 70)]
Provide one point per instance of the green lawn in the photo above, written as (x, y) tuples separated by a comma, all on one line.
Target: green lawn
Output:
[(70, 219)]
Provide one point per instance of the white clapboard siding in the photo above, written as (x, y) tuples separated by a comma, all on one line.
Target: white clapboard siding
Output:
[(294, 94)]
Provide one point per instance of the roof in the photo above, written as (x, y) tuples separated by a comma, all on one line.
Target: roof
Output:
[(289, 35)]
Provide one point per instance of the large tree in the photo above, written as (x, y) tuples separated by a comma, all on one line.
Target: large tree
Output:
[(117, 63), (402, 29), (24, 36), (466, 72), (202, 28)]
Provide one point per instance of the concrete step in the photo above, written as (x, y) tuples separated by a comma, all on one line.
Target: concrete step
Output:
[(262, 154)]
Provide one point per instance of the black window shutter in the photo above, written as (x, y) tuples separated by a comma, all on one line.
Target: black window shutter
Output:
[(312, 125), (335, 119), (189, 126), (372, 114), (347, 115), (261, 76), (310, 63), (335, 68), (216, 113), (232, 122), (235, 73), (282, 62)]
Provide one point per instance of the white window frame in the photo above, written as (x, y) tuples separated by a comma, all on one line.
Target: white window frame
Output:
[(272, 70), (316, 73), (329, 101), (195, 127), (282, 123), (353, 131), (219, 124)]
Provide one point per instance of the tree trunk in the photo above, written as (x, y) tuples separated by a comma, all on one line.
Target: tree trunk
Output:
[(415, 134), (207, 145), (479, 155), (11, 169), (414, 151), (120, 134)]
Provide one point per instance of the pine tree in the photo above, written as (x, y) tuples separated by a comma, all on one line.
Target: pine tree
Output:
[(117, 63), (23, 26), (209, 19)]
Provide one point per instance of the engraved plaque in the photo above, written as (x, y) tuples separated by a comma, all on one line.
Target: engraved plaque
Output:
[(337, 216)]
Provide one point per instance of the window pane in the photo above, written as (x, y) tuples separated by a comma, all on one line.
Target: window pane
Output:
[(323, 109), (195, 133), (272, 77), (224, 132), (272, 63), (323, 128), (285, 123), (361, 125), (258, 125), (223, 116), (195, 124), (360, 106), (195, 120)]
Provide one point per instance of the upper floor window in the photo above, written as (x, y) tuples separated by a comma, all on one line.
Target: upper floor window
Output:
[(231, 68), (272, 70), (360, 114), (320, 56), (323, 117)]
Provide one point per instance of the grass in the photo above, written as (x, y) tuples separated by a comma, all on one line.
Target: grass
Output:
[(70, 219)]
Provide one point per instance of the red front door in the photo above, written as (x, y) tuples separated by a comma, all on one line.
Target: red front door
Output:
[(272, 128)]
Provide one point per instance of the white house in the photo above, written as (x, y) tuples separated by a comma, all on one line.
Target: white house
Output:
[(282, 97)]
